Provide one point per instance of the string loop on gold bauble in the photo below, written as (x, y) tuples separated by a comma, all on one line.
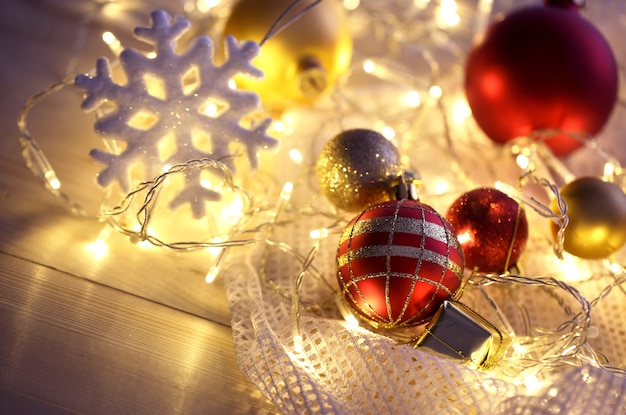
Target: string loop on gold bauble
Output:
[(302, 62)]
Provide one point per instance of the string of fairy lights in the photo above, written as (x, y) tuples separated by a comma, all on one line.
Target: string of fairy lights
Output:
[(533, 354)]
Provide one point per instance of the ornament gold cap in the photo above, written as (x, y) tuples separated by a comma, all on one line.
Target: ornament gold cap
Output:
[(408, 186), (311, 76), (459, 332)]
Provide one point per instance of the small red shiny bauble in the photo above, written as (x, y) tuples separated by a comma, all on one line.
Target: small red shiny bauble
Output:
[(397, 262), (542, 67), (491, 227)]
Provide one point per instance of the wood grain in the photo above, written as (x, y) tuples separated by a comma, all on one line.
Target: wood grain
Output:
[(136, 332), (92, 349)]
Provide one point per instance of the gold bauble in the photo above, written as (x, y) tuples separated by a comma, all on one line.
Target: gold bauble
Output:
[(597, 218), (303, 61), (357, 168)]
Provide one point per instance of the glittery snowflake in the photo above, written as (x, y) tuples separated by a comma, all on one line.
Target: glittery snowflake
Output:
[(174, 108)]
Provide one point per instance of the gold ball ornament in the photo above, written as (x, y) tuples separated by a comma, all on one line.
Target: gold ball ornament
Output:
[(358, 168), (302, 62), (597, 218)]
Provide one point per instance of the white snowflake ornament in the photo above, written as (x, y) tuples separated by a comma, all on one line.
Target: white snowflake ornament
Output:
[(174, 108)]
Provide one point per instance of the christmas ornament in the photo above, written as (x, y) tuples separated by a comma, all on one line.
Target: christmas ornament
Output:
[(542, 67), (174, 108), (357, 168), (458, 332), (597, 218), (304, 60), (397, 262), (491, 227)]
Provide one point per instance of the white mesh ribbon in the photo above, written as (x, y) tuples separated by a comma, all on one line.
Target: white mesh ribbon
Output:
[(341, 371)]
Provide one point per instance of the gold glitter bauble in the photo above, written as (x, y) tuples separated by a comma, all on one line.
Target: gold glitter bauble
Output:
[(357, 168), (597, 218), (304, 60)]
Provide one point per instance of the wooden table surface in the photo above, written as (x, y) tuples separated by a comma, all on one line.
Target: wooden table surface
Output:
[(136, 332)]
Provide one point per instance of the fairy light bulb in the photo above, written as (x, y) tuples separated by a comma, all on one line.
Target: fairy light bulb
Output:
[(211, 274), (52, 180), (99, 248), (412, 99), (351, 4), (297, 343), (388, 132), (205, 6), (113, 43), (318, 233), (435, 91), (296, 156), (532, 383), (285, 193), (369, 66), (461, 112), (447, 15), (278, 126)]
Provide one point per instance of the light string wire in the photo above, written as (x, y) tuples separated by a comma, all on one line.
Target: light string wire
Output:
[(568, 340)]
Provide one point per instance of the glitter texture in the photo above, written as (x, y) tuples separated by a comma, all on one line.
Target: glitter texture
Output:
[(491, 227), (357, 168)]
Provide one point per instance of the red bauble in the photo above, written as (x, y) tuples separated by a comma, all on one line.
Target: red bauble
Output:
[(491, 227), (542, 67), (397, 262)]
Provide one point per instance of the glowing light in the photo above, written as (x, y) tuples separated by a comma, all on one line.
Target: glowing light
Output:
[(351, 321), (447, 13), (464, 237), (571, 270), (318, 233), (461, 111), (610, 171), (204, 6), (215, 250), (206, 183), (369, 66), (351, 4), (210, 109), (98, 248), (232, 84), (296, 156), (532, 383), (297, 343), (53, 181), (413, 99), (144, 244), (279, 126), (421, 4), (212, 274), (523, 161), (435, 91), (388, 132), (233, 212), (166, 167), (285, 193), (616, 268), (441, 187), (113, 43)]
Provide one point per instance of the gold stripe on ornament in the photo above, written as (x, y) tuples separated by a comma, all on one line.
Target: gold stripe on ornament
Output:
[(401, 224), (399, 251), (416, 278)]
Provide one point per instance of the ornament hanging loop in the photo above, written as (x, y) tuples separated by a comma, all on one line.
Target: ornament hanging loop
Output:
[(408, 186)]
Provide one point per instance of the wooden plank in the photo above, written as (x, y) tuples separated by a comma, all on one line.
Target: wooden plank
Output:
[(33, 224), (77, 345)]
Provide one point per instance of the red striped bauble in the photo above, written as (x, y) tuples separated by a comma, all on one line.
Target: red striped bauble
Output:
[(397, 262)]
